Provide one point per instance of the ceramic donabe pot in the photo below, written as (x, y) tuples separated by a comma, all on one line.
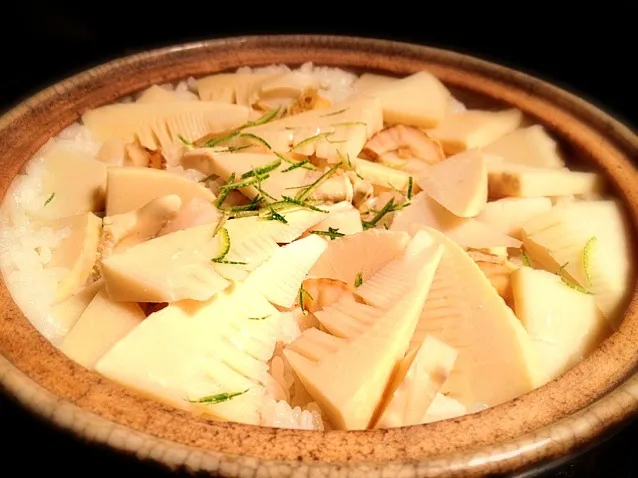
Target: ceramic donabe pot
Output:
[(547, 423)]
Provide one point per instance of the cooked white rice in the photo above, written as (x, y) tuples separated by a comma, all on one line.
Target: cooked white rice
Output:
[(280, 414), (288, 328), (185, 90), (25, 251), (336, 84)]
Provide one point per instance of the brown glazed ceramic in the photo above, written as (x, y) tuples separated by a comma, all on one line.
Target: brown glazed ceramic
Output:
[(547, 423)]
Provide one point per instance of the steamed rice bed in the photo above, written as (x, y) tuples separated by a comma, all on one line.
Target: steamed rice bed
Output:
[(305, 248)]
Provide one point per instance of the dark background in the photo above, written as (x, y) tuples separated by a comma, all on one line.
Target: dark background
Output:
[(588, 49)]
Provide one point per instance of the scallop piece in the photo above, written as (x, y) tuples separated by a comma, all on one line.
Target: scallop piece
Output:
[(309, 100), (337, 188), (408, 141), (379, 211), (135, 155), (295, 91), (322, 292), (114, 152), (362, 188), (276, 103), (156, 160)]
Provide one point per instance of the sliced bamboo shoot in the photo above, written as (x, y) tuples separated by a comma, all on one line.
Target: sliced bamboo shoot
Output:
[(64, 194), (414, 386), (497, 361), (605, 266), (459, 183), (417, 100), (231, 87), (444, 408), (509, 214), (474, 129), (157, 94), (531, 146), (67, 312), (381, 175), (130, 188), (192, 350), (515, 180), (102, 324), (565, 325), (467, 232), (158, 125), (278, 278), (168, 268), (361, 254), (76, 253), (348, 377), (332, 134)]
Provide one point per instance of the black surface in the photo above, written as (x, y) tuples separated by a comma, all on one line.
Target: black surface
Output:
[(588, 50)]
